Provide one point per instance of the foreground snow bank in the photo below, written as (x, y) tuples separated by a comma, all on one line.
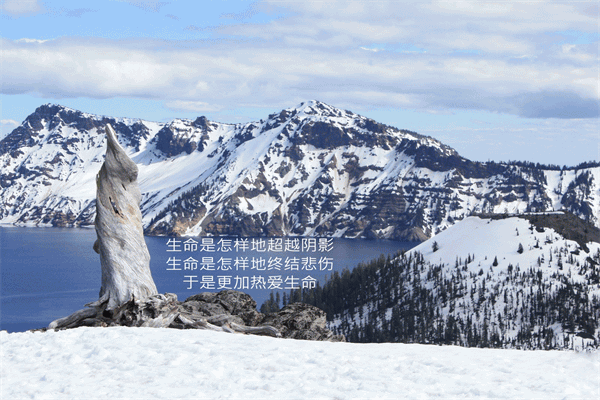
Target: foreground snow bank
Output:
[(146, 363)]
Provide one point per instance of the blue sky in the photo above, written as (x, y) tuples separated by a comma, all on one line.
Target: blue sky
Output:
[(496, 81)]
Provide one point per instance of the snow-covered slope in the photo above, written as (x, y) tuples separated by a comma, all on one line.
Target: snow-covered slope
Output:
[(486, 240), (505, 282), (308, 170), (146, 363)]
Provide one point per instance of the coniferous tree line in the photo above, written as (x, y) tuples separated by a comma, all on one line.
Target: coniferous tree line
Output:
[(404, 299)]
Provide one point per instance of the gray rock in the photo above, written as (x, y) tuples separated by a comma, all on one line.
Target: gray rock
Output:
[(295, 321), (302, 321)]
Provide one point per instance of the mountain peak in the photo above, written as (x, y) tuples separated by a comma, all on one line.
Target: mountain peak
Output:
[(316, 107), (309, 170), (50, 109), (55, 108)]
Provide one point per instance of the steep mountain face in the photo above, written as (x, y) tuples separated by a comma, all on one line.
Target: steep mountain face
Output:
[(502, 282), (308, 170), (49, 163)]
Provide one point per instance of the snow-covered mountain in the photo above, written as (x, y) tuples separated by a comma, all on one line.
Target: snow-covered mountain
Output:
[(308, 170), (531, 281)]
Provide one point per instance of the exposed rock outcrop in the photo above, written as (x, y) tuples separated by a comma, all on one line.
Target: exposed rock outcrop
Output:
[(295, 321), (226, 311)]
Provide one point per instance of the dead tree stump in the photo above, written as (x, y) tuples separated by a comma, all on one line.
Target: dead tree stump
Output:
[(124, 256), (128, 295)]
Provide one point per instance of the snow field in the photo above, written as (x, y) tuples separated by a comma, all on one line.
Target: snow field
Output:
[(486, 239), (146, 363)]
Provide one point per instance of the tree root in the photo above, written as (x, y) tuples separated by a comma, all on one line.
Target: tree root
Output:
[(157, 311)]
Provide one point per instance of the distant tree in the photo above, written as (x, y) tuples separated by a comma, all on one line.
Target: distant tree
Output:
[(495, 263), (435, 247), (270, 305), (520, 249)]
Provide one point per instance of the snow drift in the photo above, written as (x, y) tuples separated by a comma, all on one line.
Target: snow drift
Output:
[(146, 363)]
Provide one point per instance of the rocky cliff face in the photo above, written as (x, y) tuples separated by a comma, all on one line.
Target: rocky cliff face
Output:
[(308, 170)]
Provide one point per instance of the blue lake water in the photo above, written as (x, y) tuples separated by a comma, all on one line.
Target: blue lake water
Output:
[(49, 273)]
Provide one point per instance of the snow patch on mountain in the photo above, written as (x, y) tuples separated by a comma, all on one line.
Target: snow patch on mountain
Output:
[(499, 282), (307, 170), (487, 239)]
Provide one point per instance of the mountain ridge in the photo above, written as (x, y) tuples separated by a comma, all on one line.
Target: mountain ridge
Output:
[(308, 170)]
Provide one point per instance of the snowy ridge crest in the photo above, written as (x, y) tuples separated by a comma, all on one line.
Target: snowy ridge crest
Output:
[(312, 169), (506, 282)]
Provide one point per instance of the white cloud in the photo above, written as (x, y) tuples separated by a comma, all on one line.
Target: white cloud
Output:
[(146, 5), (573, 141), (26, 40), (20, 7), (196, 106), (10, 122), (7, 126), (577, 53), (486, 9), (497, 57), (375, 50)]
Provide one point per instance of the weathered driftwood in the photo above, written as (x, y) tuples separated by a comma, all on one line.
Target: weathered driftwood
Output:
[(128, 295), (94, 309), (226, 323), (124, 257), (159, 311), (74, 318), (225, 311)]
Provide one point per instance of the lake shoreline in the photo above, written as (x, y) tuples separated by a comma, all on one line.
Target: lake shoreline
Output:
[(50, 272)]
